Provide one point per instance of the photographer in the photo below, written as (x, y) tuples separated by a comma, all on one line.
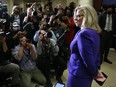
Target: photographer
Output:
[(13, 34), (60, 28), (4, 19), (16, 16), (45, 28), (48, 9), (32, 16), (6, 66), (59, 19), (36, 7), (29, 31), (25, 54), (46, 49)]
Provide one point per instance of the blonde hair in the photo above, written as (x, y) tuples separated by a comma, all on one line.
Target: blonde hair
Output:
[(90, 17)]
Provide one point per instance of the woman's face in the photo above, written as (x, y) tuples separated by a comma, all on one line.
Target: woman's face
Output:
[(78, 18)]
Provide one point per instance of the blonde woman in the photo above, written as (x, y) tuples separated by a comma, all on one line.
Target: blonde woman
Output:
[(84, 61)]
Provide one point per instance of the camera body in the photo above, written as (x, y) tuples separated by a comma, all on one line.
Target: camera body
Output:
[(34, 13)]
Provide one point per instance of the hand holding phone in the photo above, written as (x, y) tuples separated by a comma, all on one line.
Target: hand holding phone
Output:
[(101, 78)]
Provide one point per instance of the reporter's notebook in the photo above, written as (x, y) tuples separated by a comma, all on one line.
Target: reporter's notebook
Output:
[(102, 80)]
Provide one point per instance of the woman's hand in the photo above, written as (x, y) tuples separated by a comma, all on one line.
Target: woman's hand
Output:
[(100, 77)]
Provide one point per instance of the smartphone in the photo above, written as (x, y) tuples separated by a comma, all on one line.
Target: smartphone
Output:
[(59, 85), (102, 81)]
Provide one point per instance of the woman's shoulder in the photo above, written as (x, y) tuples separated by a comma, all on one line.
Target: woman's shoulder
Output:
[(87, 31)]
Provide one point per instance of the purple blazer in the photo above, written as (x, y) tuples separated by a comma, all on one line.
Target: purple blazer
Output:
[(85, 54)]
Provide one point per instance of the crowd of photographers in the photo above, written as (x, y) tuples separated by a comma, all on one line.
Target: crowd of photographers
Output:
[(34, 42)]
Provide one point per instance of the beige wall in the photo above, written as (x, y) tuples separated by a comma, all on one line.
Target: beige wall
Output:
[(9, 3), (63, 2), (85, 2), (55, 2), (76, 1)]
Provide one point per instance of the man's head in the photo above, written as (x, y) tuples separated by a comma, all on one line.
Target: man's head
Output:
[(22, 40), (109, 9)]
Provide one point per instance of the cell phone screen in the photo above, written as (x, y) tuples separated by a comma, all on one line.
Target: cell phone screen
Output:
[(59, 85)]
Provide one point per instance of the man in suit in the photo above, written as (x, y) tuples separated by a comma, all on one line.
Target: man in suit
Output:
[(108, 26)]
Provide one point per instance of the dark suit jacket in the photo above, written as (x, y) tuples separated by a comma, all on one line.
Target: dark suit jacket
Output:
[(102, 21), (85, 55)]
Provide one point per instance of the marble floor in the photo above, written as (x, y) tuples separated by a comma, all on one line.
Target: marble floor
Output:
[(109, 69)]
